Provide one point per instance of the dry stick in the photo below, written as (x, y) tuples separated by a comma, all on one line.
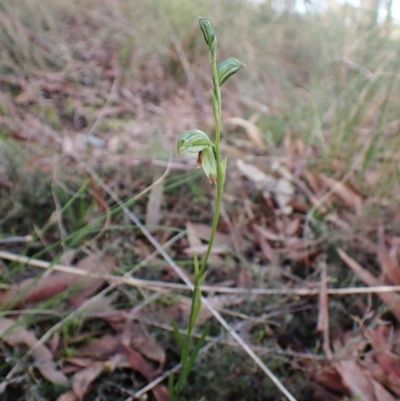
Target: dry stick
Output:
[(162, 163), (12, 240), (157, 285)]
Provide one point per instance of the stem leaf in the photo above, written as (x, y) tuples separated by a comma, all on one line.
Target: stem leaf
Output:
[(227, 68)]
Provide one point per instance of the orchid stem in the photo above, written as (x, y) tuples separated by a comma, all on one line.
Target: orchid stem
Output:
[(220, 181)]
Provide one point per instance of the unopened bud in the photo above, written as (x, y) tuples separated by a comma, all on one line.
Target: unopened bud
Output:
[(208, 30), (227, 68)]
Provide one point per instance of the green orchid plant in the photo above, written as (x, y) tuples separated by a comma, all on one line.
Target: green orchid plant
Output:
[(208, 157)]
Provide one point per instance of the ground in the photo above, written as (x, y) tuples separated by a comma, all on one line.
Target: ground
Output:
[(97, 212)]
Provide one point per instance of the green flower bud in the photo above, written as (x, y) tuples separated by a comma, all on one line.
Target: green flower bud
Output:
[(208, 30), (196, 141), (227, 68)]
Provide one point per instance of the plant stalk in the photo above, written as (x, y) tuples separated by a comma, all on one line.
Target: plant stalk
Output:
[(220, 179)]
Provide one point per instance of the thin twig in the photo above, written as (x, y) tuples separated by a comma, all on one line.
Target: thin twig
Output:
[(157, 285), (14, 240)]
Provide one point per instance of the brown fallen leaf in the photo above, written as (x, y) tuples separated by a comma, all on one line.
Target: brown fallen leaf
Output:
[(86, 286), (255, 175), (314, 181), (326, 375), (102, 348), (252, 131), (381, 394), (68, 257), (270, 235), (197, 232), (4, 182), (160, 392), (68, 396), (349, 197), (305, 257), (138, 364), (203, 231), (201, 250), (292, 227), (293, 145), (360, 382), (37, 289), (141, 341), (47, 286), (338, 222), (193, 236), (13, 333), (318, 393), (79, 362), (377, 372), (381, 377), (134, 335), (118, 346), (283, 191), (391, 299), (383, 354), (266, 249), (114, 317), (54, 343), (99, 303), (82, 380), (388, 260)]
